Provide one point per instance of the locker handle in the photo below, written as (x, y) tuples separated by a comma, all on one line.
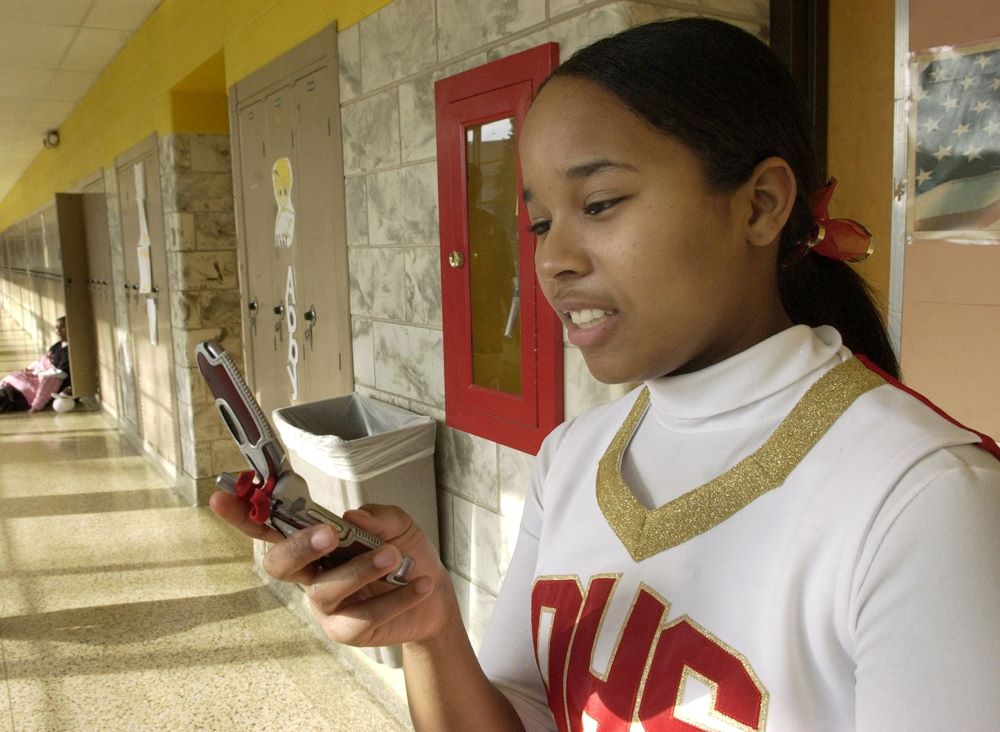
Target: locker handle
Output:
[(279, 309), (252, 305), (310, 314)]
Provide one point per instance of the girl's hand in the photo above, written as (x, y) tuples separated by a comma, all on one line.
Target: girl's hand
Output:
[(352, 603)]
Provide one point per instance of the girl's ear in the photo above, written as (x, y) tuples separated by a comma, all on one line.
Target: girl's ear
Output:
[(772, 189)]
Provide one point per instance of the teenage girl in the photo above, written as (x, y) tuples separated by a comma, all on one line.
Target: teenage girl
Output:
[(769, 533)]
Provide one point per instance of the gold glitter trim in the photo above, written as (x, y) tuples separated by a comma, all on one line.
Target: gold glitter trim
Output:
[(645, 532)]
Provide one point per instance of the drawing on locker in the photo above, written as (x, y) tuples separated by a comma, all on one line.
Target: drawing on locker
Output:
[(284, 220)]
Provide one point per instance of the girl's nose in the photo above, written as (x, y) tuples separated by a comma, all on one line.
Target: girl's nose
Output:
[(560, 255)]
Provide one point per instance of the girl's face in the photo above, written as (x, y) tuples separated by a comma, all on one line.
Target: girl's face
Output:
[(650, 271)]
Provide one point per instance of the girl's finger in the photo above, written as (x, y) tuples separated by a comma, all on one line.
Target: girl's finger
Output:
[(361, 623), (234, 511), (292, 560)]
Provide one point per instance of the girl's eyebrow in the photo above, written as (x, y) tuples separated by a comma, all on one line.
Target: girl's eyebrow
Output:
[(587, 169)]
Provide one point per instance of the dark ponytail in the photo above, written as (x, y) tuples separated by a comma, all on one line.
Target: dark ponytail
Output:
[(721, 91)]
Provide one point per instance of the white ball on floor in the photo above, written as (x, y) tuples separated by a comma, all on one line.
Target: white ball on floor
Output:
[(63, 403)]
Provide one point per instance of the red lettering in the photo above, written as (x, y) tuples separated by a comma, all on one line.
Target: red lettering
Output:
[(672, 653), (683, 646)]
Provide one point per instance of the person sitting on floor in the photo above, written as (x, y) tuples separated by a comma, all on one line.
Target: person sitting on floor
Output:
[(32, 388)]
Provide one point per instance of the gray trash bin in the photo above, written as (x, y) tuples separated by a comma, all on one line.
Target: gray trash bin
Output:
[(353, 450)]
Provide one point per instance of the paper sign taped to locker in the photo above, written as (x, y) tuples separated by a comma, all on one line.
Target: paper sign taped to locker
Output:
[(154, 337), (145, 270), (140, 204)]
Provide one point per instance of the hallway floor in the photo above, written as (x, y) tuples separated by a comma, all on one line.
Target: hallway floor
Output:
[(123, 609)]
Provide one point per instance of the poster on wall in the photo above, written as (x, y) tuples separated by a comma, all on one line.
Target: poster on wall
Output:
[(955, 142)]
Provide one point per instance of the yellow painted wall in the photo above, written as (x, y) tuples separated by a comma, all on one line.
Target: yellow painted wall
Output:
[(860, 123), (186, 48)]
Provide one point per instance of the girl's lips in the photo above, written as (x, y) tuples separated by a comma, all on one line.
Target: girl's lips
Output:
[(593, 331)]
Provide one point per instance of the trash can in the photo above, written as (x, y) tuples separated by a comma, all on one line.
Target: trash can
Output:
[(353, 450)]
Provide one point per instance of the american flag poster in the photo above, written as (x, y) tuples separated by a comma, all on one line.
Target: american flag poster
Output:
[(956, 134)]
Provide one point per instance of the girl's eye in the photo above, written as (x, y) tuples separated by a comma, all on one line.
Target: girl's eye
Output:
[(540, 227), (597, 207)]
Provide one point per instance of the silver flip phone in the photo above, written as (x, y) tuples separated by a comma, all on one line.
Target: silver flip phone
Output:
[(291, 507)]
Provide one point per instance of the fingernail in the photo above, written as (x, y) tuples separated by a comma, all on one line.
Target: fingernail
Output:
[(322, 538), (385, 558)]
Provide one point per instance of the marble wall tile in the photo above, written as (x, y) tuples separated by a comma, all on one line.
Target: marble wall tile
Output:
[(403, 207), (582, 391), (356, 202), (418, 133), (220, 309), (185, 340), (174, 152), (371, 132), (572, 33), (364, 351), (215, 229), (467, 465), (198, 192), (409, 361), (423, 285), (464, 25), (185, 311), (377, 279), (476, 606), (416, 119), (514, 469), (179, 231), (210, 153), (202, 270), (226, 458), (349, 62), (191, 387), (360, 276), (396, 41), (481, 550)]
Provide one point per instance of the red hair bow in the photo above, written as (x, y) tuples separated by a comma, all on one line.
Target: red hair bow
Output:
[(842, 239)]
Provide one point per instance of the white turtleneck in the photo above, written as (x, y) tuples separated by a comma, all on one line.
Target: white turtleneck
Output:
[(860, 593), (726, 410)]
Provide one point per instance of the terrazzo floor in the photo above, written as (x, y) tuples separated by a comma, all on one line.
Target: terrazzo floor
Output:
[(122, 609)]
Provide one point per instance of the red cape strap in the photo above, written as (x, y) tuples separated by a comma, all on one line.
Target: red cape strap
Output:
[(256, 495), (985, 441)]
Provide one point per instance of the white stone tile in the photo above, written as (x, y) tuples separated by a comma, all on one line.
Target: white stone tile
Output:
[(403, 206), (467, 464), (210, 153), (446, 527), (481, 552), (364, 351), (396, 41), (416, 119), (574, 32), (370, 129), (349, 58), (514, 469), (464, 25), (377, 281), (423, 285), (409, 361), (476, 605), (356, 194)]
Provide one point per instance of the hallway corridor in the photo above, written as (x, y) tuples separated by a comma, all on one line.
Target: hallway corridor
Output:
[(123, 609)]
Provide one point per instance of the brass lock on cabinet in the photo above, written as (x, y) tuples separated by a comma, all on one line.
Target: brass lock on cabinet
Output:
[(455, 259)]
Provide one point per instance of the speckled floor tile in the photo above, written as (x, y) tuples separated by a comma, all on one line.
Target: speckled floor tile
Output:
[(123, 609)]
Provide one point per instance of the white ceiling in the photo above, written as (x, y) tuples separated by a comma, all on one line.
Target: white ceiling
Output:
[(51, 53)]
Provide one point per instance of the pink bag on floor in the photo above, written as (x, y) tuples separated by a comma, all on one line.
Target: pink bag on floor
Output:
[(37, 383)]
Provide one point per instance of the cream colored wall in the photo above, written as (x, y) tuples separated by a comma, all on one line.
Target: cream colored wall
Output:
[(134, 97), (949, 347), (860, 124)]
